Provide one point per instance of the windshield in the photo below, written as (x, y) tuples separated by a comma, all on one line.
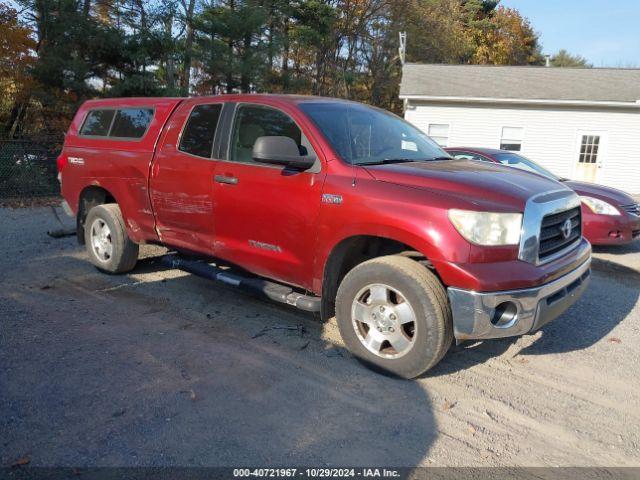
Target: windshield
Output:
[(364, 135), (515, 160)]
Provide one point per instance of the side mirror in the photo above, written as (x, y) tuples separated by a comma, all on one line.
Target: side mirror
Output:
[(281, 151)]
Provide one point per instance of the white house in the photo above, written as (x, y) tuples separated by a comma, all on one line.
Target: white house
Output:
[(580, 123)]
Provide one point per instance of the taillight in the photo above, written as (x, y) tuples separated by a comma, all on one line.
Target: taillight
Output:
[(62, 162)]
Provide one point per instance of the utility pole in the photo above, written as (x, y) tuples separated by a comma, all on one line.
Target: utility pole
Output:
[(402, 49), (402, 52)]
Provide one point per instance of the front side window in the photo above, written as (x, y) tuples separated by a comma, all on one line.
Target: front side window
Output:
[(255, 121), (511, 138), (199, 132), (98, 123), (439, 132), (363, 135), (131, 122)]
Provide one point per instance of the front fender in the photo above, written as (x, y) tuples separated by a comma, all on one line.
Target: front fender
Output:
[(391, 212)]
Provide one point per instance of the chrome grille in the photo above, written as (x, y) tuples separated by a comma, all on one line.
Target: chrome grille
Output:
[(553, 237), (633, 209)]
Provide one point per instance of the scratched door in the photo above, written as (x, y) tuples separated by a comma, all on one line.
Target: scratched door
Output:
[(182, 177)]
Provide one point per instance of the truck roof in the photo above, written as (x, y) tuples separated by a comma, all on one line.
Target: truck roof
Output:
[(138, 101), (163, 107), (131, 101)]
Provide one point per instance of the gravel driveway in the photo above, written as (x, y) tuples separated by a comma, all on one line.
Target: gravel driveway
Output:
[(163, 368)]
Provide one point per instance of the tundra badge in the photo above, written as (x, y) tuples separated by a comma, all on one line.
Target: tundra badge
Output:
[(265, 246)]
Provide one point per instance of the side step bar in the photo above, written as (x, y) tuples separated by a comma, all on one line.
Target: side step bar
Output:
[(254, 285)]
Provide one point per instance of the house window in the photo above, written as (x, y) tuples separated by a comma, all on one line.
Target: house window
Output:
[(511, 138), (589, 148), (439, 132)]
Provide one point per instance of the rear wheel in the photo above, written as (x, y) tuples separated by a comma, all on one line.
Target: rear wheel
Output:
[(393, 314), (108, 245)]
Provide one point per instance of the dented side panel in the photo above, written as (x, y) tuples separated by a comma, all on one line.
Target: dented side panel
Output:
[(181, 189), (121, 167)]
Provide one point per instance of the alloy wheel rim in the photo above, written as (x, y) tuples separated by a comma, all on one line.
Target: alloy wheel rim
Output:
[(384, 321), (101, 241)]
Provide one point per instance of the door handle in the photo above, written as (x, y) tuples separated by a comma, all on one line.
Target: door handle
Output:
[(225, 179)]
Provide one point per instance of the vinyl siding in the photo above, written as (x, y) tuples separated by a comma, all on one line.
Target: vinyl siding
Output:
[(550, 135)]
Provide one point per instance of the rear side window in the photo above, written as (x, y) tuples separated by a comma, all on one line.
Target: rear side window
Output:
[(123, 123), (198, 134), (98, 123), (131, 122)]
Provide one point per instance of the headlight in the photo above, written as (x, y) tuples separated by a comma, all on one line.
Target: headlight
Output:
[(600, 207), (486, 228)]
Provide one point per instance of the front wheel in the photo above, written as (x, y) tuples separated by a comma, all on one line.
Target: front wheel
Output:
[(393, 314), (108, 245)]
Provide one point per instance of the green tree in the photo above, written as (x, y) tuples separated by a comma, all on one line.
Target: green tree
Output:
[(230, 46), (565, 59)]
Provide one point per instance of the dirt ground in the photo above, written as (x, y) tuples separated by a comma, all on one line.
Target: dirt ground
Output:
[(162, 368)]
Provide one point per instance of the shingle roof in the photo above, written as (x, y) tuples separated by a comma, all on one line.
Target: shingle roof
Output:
[(529, 83)]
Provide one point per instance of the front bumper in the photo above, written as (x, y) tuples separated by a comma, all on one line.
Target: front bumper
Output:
[(515, 312), (611, 229)]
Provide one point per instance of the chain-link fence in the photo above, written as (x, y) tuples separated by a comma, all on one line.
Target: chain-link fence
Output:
[(28, 167)]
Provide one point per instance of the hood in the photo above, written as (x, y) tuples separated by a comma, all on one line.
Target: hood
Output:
[(479, 182), (610, 195)]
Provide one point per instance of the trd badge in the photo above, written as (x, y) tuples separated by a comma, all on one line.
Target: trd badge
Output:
[(332, 199)]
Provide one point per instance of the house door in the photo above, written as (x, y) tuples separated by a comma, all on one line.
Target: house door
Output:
[(590, 153)]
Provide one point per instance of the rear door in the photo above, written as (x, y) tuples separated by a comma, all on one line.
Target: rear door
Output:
[(266, 215), (182, 177)]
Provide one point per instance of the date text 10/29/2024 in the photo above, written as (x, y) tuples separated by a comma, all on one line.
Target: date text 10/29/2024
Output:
[(315, 473)]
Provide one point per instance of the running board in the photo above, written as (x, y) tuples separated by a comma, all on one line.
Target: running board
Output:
[(254, 285)]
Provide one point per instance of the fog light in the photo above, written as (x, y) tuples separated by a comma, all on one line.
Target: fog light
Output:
[(505, 315), (615, 234)]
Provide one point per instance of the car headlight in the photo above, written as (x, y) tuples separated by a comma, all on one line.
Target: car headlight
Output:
[(487, 228), (600, 207)]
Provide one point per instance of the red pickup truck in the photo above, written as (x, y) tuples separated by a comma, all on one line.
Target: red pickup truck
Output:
[(332, 206)]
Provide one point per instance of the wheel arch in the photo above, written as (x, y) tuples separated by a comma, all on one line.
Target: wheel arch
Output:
[(353, 250), (90, 196)]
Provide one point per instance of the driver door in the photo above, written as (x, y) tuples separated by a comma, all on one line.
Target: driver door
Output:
[(266, 215)]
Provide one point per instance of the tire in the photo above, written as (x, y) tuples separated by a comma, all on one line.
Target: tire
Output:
[(371, 310), (110, 250)]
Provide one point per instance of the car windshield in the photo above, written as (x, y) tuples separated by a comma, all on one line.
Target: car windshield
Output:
[(364, 135), (518, 161)]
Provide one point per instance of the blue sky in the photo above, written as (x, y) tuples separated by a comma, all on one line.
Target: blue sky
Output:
[(605, 32)]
